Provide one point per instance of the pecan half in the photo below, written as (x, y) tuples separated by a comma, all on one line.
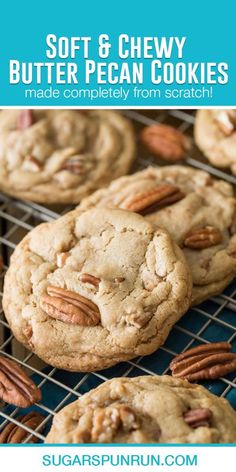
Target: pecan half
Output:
[(226, 121), (202, 238), (25, 119), (90, 279), (15, 386), (165, 141), (69, 307), (153, 199), (73, 165), (198, 417), (14, 434), (206, 361), (107, 421)]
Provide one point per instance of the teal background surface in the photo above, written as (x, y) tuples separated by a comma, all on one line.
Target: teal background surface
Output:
[(208, 25)]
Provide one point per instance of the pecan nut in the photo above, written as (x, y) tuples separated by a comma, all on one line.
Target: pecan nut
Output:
[(154, 199), (119, 280), (90, 279), (61, 258), (75, 166), (107, 421), (14, 434), (31, 164), (69, 307), (202, 238), (15, 386), (198, 417), (226, 121), (165, 142), (25, 119), (206, 361)]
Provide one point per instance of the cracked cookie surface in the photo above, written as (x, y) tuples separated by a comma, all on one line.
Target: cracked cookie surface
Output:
[(145, 410), (215, 135), (198, 212), (93, 289), (60, 156)]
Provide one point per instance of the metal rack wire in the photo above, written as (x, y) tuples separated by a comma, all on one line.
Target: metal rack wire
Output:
[(213, 320)]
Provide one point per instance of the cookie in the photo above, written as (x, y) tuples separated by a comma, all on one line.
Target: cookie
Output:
[(215, 135), (145, 410), (198, 211), (93, 289), (59, 156)]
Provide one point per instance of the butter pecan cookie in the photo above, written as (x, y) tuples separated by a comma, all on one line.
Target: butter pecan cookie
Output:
[(59, 156), (93, 289), (215, 134), (198, 212), (145, 410)]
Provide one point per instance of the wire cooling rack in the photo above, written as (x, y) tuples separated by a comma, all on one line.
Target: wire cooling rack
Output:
[(213, 320)]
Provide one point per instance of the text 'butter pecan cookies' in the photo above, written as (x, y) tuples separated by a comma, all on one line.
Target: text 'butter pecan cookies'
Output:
[(60, 156), (198, 211), (215, 134), (145, 410), (117, 293)]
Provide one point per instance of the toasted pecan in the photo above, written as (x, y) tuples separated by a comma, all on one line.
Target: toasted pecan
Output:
[(15, 385), (206, 361), (14, 434), (90, 279), (75, 166), (61, 258)]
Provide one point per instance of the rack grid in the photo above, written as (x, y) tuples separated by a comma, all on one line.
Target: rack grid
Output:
[(213, 320)]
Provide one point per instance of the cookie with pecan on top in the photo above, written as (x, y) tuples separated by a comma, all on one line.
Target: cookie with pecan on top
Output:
[(60, 156), (93, 289), (148, 409), (198, 211)]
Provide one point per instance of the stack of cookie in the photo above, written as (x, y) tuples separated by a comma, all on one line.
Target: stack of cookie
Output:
[(106, 282)]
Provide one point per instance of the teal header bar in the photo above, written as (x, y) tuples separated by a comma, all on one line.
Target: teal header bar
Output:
[(125, 54)]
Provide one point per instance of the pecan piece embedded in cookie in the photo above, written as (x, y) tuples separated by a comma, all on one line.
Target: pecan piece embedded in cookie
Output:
[(202, 238), (153, 199), (61, 258), (79, 152), (15, 386), (206, 361), (14, 434), (198, 417), (161, 409), (90, 279), (82, 326), (70, 307), (165, 141)]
